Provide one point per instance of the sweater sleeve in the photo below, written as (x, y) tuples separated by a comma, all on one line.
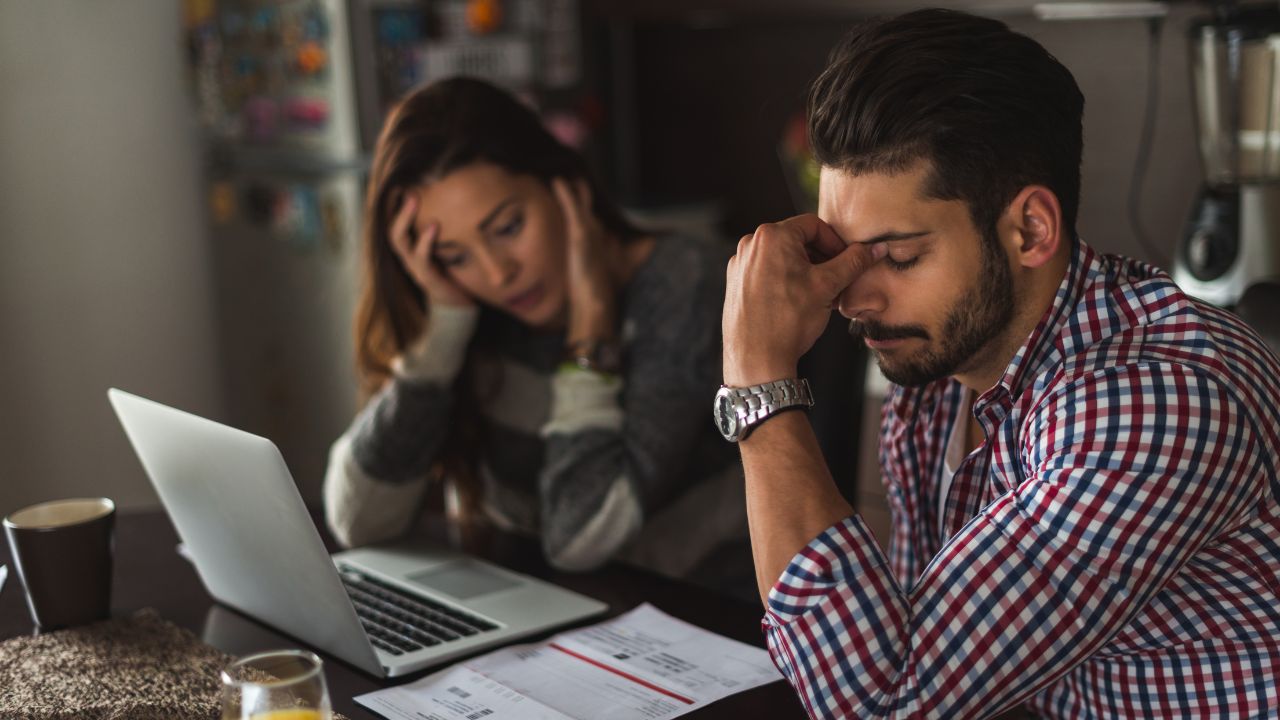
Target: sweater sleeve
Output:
[(617, 447), (379, 468)]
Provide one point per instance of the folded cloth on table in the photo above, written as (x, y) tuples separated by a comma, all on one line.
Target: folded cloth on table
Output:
[(140, 668)]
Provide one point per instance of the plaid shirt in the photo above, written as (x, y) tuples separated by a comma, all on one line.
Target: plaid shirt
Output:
[(1112, 550)]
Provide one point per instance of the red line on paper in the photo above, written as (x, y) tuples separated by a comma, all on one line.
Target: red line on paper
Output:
[(629, 676)]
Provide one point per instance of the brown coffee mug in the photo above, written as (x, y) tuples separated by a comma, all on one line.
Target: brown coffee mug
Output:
[(62, 550)]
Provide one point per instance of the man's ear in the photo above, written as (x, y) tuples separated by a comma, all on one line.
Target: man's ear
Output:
[(1035, 218)]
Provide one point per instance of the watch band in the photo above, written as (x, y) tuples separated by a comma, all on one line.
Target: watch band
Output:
[(738, 411)]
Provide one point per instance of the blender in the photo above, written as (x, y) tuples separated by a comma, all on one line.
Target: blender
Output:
[(1232, 241)]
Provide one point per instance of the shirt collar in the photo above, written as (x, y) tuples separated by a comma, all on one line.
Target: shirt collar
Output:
[(1045, 347)]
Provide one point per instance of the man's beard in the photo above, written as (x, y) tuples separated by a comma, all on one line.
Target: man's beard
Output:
[(981, 313)]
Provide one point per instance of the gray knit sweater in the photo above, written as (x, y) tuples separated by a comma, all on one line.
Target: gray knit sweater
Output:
[(596, 467)]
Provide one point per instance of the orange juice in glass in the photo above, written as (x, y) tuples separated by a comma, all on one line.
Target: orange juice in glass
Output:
[(276, 685)]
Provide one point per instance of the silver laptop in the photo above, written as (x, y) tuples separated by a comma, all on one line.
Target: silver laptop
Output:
[(387, 610)]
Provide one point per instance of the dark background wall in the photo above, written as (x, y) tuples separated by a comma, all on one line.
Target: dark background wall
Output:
[(712, 102)]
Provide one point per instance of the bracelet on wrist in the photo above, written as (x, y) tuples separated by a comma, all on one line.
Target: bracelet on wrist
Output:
[(595, 354), (574, 368)]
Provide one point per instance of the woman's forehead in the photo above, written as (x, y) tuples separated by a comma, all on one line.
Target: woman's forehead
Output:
[(468, 197)]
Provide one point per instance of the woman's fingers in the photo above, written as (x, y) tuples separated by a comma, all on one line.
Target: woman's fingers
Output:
[(424, 252), (575, 202), (587, 219), (401, 239), (569, 207), (416, 256), (415, 252)]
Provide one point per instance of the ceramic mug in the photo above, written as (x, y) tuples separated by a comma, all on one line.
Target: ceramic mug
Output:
[(62, 551)]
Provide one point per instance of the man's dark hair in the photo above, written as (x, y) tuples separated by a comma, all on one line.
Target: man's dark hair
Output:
[(990, 109)]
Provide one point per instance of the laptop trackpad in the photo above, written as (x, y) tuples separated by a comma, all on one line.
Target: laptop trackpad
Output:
[(463, 579)]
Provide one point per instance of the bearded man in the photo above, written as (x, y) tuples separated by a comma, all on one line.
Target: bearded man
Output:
[(1082, 462)]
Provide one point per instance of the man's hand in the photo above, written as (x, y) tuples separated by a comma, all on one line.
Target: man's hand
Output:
[(780, 288)]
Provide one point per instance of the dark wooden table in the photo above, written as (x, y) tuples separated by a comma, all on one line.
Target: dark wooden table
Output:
[(150, 573)]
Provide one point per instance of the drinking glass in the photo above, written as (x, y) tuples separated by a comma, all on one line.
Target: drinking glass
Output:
[(276, 685)]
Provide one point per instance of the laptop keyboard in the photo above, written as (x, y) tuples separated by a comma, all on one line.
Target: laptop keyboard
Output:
[(398, 622)]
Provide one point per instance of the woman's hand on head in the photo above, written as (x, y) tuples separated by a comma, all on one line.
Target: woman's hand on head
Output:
[(416, 254), (593, 263)]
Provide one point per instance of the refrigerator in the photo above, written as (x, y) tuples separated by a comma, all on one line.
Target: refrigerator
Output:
[(289, 96)]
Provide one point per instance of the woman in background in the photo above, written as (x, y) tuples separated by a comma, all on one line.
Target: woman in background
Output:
[(520, 340)]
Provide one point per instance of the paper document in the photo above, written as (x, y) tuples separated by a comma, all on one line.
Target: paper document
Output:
[(643, 665)]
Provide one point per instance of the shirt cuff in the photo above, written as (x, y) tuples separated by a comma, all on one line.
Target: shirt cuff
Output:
[(838, 556), (437, 355), (583, 400)]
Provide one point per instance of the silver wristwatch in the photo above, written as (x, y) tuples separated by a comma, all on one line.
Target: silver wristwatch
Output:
[(738, 411)]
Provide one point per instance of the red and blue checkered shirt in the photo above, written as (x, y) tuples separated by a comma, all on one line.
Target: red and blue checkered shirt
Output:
[(1111, 551)]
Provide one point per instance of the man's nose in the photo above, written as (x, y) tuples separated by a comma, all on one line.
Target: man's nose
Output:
[(862, 296)]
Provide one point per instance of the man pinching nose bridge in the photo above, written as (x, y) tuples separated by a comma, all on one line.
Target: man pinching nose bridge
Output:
[(790, 275)]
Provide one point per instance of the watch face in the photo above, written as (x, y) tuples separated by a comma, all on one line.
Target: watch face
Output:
[(726, 418)]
